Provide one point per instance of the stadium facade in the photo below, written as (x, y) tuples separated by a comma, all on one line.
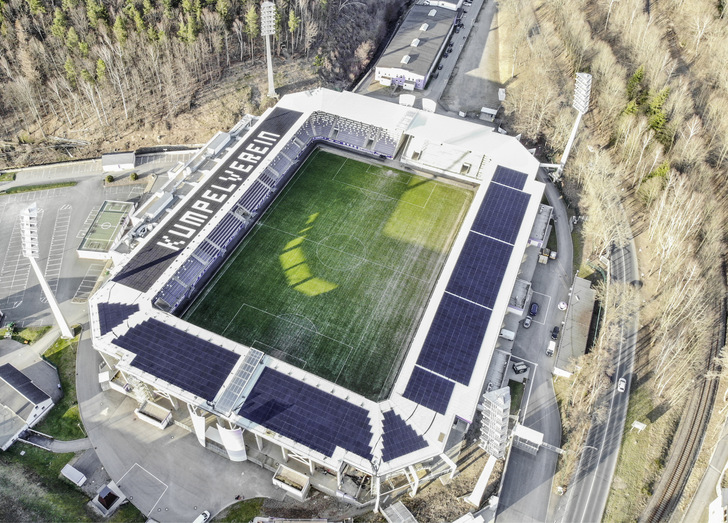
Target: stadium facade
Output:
[(247, 405)]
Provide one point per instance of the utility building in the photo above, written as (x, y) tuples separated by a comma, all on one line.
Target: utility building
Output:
[(411, 56)]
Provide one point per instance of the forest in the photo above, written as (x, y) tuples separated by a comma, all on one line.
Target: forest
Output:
[(74, 72), (651, 162)]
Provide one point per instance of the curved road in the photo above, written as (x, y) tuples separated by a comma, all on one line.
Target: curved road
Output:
[(589, 489)]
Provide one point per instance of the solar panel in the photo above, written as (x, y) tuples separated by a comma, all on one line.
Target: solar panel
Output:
[(429, 390), (453, 342), (510, 177), (308, 415), (479, 271), (501, 213), (113, 314), (22, 383), (179, 358), (398, 438), (151, 261)]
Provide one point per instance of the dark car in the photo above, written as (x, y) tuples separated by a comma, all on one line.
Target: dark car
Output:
[(534, 309), (555, 333), (520, 367), (445, 55), (439, 67)]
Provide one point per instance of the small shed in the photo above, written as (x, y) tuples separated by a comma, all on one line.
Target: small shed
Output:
[(116, 162), (22, 404)]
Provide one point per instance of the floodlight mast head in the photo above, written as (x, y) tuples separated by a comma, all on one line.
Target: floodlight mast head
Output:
[(582, 93), (29, 232), (268, 29), (267, 18)]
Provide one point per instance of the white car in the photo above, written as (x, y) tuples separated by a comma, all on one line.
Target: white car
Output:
[(621, 384), (526, 322)]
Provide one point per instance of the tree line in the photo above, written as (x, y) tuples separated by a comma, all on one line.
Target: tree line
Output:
[(70, 68)]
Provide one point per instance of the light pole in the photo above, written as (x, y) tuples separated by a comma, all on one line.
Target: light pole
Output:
[(268, 29), (29, 241), (581, 104)]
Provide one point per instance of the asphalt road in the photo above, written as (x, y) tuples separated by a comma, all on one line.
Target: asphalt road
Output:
[(526, 490), (587, 494)]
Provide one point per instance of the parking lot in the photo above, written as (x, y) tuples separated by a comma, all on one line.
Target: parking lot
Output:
[(64, 215)]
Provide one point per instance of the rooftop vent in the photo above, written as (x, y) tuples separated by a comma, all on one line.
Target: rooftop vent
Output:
[(415, 42), (424, 27), (432, 12), (405, 59)]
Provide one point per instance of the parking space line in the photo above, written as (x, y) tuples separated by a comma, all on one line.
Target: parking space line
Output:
[(546, 310), (58, 244), (88, 283), (89, 220)]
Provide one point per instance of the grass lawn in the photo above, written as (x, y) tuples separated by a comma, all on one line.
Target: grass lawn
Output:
[(63, 421), (334, 277), (7, 177), (43, 187), (517, 389), (28, 335), (30, 489)]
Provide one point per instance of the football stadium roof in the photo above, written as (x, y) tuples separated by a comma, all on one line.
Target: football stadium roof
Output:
[(442, 376)]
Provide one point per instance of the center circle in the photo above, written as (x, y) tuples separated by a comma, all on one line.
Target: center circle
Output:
[(106, 225), (341, 252)]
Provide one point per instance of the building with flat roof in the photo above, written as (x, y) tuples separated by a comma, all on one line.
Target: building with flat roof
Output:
[(249, 405), (411, 56)]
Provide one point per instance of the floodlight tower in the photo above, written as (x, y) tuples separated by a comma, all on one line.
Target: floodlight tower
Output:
[(29, 240), (268, 29), (581, 104)]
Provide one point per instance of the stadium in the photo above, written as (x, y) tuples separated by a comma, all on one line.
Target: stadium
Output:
[(326, 295)]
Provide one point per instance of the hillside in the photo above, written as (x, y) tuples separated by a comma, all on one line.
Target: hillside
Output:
[(82, 76)]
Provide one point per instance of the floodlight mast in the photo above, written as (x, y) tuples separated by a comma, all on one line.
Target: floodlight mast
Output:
[(268, 29), (29, 243), (582, 95)]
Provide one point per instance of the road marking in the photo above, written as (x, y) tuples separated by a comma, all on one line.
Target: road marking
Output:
[(88, 283), (58, 245), (546, 310)]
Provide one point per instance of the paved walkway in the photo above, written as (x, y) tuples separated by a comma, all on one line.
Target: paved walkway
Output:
[(58, 446)]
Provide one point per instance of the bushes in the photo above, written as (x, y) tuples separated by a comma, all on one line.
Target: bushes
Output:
[(109, 178), (134, 177)]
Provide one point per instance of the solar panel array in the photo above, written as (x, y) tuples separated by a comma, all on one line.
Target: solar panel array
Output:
[(22, 383), (479, 271), (112, 314), (510, 177), (398, 437), (308, 415), (453, 343), (501, 213), (429, 390), (178, 357)]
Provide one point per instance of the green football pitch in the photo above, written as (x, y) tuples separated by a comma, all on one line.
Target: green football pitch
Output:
[(336, 274)]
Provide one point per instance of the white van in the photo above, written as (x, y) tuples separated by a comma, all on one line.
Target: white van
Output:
[(508, 335), (551, 348), (202, 517)]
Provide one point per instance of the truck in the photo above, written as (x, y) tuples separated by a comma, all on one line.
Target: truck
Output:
[(508, 335), (551, 348)]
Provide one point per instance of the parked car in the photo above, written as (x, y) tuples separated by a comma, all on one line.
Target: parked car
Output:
[(621, 384), (527, 322), (439, 67), (555, 333), (520, 367), (534, 309)]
